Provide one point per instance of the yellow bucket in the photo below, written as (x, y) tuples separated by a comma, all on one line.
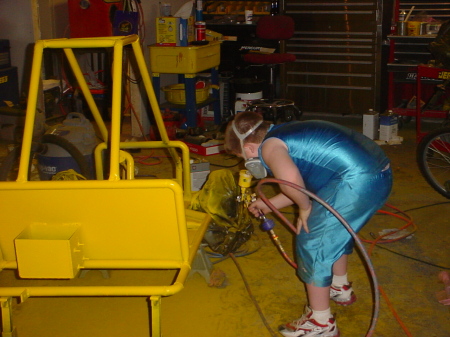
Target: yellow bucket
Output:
[(175, 94)]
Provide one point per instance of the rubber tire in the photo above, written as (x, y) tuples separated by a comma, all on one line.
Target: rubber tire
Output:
[(288, 114), (423, 151), (11, 160), (72, 150), (9, 163)]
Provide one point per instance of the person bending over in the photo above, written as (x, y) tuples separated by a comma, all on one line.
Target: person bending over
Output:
[(344, 168)]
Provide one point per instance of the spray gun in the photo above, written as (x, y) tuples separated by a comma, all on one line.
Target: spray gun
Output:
[(267, 225), (245, 181), (243, 228)]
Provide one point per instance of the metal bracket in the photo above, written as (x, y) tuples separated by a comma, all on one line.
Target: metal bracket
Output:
[(7, 324)]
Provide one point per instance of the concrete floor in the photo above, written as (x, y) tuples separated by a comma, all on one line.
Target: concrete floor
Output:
[(407, 272)]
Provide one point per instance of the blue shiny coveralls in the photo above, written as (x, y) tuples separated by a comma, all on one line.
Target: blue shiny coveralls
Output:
[(348, 171)]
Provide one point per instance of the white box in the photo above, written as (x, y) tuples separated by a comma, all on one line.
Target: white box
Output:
[(371, 124), (199, 175), (206, 149), (388, 127)]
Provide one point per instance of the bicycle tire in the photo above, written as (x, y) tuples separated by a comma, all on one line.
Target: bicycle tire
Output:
[(433, 160)]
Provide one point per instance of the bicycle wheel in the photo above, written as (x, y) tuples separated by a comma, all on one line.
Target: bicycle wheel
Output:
[(433, 159)]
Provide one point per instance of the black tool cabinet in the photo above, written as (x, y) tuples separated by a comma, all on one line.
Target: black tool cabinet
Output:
[(405, 55)]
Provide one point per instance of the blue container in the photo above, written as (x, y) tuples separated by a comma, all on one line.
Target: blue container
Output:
[(79, 132)]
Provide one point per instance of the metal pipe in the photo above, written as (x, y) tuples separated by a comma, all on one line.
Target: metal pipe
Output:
[(22, 175), (86, 92), (116, 111), (131, 264), (92, 291), (182, 167)]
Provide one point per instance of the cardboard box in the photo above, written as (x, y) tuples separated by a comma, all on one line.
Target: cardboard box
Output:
[(371, 123), (199, 175), (174, 31), (206, 149)]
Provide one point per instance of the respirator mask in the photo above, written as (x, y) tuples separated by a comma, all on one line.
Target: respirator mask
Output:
[(254, 165)]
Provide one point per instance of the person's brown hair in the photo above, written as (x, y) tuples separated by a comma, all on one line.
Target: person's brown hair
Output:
[(244, 121)]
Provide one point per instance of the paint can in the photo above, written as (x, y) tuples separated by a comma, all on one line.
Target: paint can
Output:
[(423, 28), (402, 28), (200, 31)]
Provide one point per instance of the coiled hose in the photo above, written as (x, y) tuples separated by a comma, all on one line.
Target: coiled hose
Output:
[(358, 242)]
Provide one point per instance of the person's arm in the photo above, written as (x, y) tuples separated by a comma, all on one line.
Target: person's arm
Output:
[(276, 156)]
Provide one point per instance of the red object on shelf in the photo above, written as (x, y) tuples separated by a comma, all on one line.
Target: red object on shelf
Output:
[(424, 72), (428, 72), (92, 18)]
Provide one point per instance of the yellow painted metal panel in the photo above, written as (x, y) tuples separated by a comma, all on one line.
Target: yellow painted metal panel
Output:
[(110, 227)]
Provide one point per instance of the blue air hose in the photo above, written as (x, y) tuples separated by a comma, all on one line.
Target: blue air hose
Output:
[(342, 220)]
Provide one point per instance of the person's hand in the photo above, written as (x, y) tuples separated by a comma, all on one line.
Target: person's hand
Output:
[(257, 207), (302, 221)]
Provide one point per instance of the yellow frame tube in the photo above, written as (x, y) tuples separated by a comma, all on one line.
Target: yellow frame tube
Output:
[(128, 161), (117, 43), (31, 111), (182, 168), (86, 92), (98, 291)]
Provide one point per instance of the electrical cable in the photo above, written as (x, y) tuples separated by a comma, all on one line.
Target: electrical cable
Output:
[(377, 288), (346, 225), (425, 206), (225, 166), (402, 237), (413, 258), (238, 253), (131, 106), (142, 159), (141, 28), (377, 240), (255, 302)]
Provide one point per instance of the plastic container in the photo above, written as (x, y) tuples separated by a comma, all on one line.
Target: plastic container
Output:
[(402, 28), (77, 130), (175, 94), (184, 60)]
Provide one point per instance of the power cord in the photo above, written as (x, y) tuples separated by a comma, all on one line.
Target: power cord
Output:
[(255, 302), (379, 244)]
